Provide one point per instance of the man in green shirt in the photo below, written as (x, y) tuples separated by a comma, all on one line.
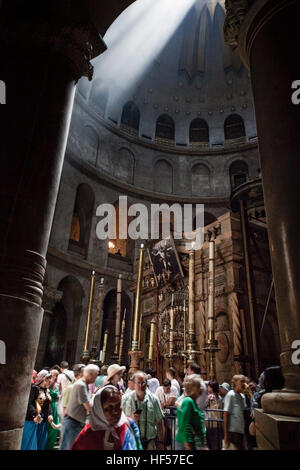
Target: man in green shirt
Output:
[(145, 409)]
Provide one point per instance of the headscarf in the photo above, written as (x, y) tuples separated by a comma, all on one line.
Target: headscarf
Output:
[(98, 421)]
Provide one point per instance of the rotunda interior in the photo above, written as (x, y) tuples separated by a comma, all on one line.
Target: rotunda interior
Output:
[(150, 208)]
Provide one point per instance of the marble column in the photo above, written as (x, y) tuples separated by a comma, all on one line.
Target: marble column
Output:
[(267, 35), (50, 297), (191, 346), (118, 318), (44, 51)]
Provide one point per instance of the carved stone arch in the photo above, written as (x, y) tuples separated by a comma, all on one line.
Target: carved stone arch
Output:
[(201, 180), (109, 323), (130, 116), (64, 325), (234, 127), (238, 173), (163, 176), (124, 165), (82, 219), (165, 127)]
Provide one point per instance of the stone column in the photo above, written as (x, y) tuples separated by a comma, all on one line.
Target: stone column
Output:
[(98, 320), (268, 39), (202, 314), (118, 318), (191, 346), (50, 297), (237, 332), (43, 52)]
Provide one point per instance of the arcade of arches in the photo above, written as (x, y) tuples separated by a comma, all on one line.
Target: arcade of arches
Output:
[(201, 124)]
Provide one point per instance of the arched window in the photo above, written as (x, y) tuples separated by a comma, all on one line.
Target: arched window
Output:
[(199, 132), (131, 115), (238, 173), (81, 220), (165, 127), (234, 127), (163, 177), (64, 323), (124, 165), (200, 180)]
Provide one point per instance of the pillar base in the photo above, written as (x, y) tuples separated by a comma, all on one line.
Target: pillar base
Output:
[(277, 432), (135, 357), (283, 403), (9, 439)]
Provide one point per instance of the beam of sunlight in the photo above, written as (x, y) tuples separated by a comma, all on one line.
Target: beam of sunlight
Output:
[(136, 39)]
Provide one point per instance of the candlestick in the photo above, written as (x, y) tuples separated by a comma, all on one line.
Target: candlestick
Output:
[(171, 345), (191, 322), (151, 344), (85, 354), (212, 345), (94, 354), (135, 353), (118, 316), (122, 337), (104, 346), (137, 307)]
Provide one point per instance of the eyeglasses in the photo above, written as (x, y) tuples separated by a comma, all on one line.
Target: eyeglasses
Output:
[(141, 383)]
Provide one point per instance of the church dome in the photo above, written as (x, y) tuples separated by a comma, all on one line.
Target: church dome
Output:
[(168, 98), (168, 79)]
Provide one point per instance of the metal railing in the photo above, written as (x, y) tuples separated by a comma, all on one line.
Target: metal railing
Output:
[(213, 424)]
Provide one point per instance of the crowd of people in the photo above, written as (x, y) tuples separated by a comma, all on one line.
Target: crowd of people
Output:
[(88, 408)]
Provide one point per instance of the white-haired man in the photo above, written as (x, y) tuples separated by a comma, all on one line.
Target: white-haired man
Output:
[(79, 405), (145, 409)]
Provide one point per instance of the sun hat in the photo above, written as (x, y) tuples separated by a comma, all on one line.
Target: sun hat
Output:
[(113, 370), (225, 385)]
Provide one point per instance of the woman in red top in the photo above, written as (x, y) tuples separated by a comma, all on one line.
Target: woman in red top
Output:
[(109, 428)]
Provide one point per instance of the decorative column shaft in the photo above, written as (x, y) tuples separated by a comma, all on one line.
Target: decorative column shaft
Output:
[(122, 337), (135, 352), (53, 52), (211, 292), (152, 338), (104, 347), (95, 341), (237, 334), (202, 317), (271, 59), (118, 317), (212, 345), (171, 343), (191, 322), (86, 354), (244, 226)]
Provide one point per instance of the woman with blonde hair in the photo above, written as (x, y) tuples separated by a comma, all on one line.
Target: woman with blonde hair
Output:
[(191, 428)]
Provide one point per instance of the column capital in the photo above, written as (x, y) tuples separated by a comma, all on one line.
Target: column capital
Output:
[(236, 11), (244, 20), (77, 42)]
